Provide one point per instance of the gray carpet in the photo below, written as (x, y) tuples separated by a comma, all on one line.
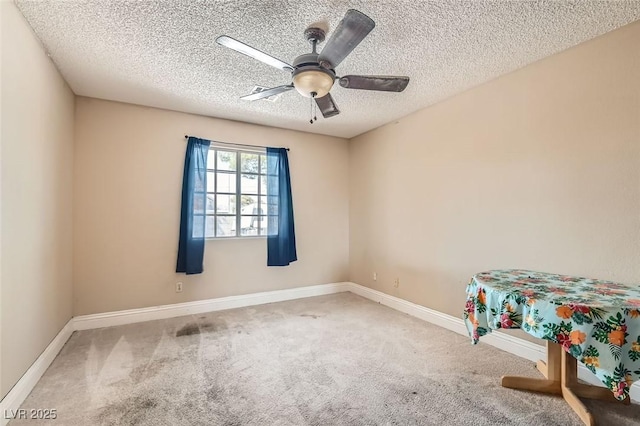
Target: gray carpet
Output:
[(329, 360)]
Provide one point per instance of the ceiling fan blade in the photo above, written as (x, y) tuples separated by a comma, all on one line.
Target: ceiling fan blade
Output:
[(353, 28), (245, 49), (267, 93), (384, 83), (327, 106)]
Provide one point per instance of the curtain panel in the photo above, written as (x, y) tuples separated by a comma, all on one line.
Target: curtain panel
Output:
[(193, 209), (281, 238)]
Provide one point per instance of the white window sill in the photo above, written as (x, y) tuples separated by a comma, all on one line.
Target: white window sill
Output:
[(256, 237)]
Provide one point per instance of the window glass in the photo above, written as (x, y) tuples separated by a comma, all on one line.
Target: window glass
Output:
[(226, 161), (249, 183), (236, 193)]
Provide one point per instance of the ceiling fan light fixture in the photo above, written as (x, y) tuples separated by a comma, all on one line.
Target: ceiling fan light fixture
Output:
[(308, 82)]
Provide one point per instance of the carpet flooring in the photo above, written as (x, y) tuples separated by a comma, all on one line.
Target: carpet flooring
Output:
[(329, 360)]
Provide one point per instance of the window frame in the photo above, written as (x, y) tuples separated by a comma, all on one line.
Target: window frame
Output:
[(212, 190)]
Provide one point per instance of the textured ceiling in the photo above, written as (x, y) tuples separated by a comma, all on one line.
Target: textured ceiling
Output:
[(163, 54)]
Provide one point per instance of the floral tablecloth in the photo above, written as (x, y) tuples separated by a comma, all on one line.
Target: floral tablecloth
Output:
[(597, 322)]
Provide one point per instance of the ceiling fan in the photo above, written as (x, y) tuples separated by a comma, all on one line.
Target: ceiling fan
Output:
[(313, 74)]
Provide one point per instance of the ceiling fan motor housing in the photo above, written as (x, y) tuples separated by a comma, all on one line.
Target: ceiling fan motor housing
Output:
[(309, 78)]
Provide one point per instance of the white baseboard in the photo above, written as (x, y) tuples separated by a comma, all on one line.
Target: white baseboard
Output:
[(108, 319), (16, 396), (503, 341), (508, 343)]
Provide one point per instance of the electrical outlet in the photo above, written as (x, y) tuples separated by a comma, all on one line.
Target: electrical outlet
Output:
[(396, 282), (375, 276), (178, 287)]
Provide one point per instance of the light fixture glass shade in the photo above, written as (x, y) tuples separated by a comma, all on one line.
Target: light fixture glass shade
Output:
[(308, 82)]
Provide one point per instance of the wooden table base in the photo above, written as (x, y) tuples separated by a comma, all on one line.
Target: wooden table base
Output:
[(561, 372)]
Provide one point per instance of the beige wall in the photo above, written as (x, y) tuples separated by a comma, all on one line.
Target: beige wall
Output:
[(37, 164), (128, 176), (538, 169)]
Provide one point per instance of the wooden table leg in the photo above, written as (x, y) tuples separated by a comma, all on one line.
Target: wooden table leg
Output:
[(561, 378), (569, 381), (551, 370), (542, 368)]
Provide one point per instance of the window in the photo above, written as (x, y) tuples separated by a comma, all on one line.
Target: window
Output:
[(236, 193)]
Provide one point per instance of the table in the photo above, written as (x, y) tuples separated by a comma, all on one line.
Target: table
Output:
[(591, 321)]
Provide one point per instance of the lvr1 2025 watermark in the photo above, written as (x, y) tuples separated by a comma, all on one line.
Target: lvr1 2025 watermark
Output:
[(31, 414)]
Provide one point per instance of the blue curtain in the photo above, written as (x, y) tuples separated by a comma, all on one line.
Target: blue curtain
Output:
[(281, 238), (194, 201)]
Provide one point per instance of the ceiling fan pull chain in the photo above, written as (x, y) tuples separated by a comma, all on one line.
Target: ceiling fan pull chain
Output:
[(313, 108), (314, 105)]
